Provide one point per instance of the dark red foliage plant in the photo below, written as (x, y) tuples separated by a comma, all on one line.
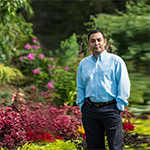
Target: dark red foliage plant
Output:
[(30, 121), (39, 136), (128, 126), (12, 131)]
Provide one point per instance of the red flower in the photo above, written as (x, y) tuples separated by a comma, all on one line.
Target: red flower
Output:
[(39, 135), (58, 137), (84, 136), (128, 126)]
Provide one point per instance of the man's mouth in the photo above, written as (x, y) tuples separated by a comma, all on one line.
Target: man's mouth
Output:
[(97, 47)]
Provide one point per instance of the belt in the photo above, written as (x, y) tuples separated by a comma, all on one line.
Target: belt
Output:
[(99, 104)]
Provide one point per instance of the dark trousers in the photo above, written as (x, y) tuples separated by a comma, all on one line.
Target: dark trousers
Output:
[(97, 122)]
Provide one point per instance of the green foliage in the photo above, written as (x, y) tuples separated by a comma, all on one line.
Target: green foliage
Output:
[(54, 22), (25, 146), (58, 145), (142, 126), (14, 30), (48, 70), (68, 51), (5, 98), (140, 86), (9, 75), (139, 110), (9, 9), (129, 31), (66, 86), (66, 80)]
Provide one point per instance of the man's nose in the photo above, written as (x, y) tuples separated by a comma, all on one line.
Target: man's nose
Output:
[(96, 42)]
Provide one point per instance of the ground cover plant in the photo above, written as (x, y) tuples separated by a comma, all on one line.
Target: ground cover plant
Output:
[(57, 145), (29, 121)]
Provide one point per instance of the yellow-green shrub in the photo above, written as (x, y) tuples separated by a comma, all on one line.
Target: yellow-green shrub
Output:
[(58, 145), (8, 74)]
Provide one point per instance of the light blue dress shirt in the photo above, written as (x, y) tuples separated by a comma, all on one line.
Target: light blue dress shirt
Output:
[(103, 80)]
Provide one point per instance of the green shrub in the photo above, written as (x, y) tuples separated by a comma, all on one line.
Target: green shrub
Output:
[(68, 51), (46, 72), (58, 145), (5, 98), (14, 30), (9, 75), (129, 32)]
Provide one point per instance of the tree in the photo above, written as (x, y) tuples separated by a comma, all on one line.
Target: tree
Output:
[(57, 21), (14, 30)]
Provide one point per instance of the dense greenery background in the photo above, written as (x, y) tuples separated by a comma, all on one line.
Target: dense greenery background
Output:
[(62, 28), (54, 21)]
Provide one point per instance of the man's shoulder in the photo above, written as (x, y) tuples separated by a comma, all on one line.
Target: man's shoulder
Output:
[(115, 57), (88, 58)]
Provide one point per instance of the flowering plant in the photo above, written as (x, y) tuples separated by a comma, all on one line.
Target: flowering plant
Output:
[(35, 64), (47, 74)]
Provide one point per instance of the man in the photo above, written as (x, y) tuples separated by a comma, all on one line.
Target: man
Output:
[(103, 87)]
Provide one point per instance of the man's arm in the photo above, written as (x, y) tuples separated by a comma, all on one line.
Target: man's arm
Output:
[(80, 87), (123, 82)]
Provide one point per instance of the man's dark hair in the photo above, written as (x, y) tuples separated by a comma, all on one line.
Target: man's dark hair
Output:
[(96, 31)]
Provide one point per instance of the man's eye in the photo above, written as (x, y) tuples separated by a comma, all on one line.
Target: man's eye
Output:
[(92, 41)]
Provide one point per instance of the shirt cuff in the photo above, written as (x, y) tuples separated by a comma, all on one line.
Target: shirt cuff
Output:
[(120, 105), (80, 105)]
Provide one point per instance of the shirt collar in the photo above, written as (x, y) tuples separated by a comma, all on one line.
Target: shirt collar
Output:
[(101, 57)]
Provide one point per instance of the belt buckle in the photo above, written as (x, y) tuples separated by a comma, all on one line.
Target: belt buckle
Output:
[(98, 105)]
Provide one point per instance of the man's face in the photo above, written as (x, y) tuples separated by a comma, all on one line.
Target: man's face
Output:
[(97, 43)]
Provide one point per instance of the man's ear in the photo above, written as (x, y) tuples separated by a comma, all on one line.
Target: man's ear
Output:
[(105, 41)]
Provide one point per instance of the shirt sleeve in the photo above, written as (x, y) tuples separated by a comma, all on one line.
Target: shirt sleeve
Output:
[(123, 82), (80, 87)]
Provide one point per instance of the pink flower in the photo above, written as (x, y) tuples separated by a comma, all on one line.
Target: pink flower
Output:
[(21, 58), (30, 56), (27, 46), (41, 56), (50, 84), (35, 47), (51, 58), (66, 68), (53, 67), (51, 73), (49, 66), (36, 71), (42, 93), (34, 40)]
